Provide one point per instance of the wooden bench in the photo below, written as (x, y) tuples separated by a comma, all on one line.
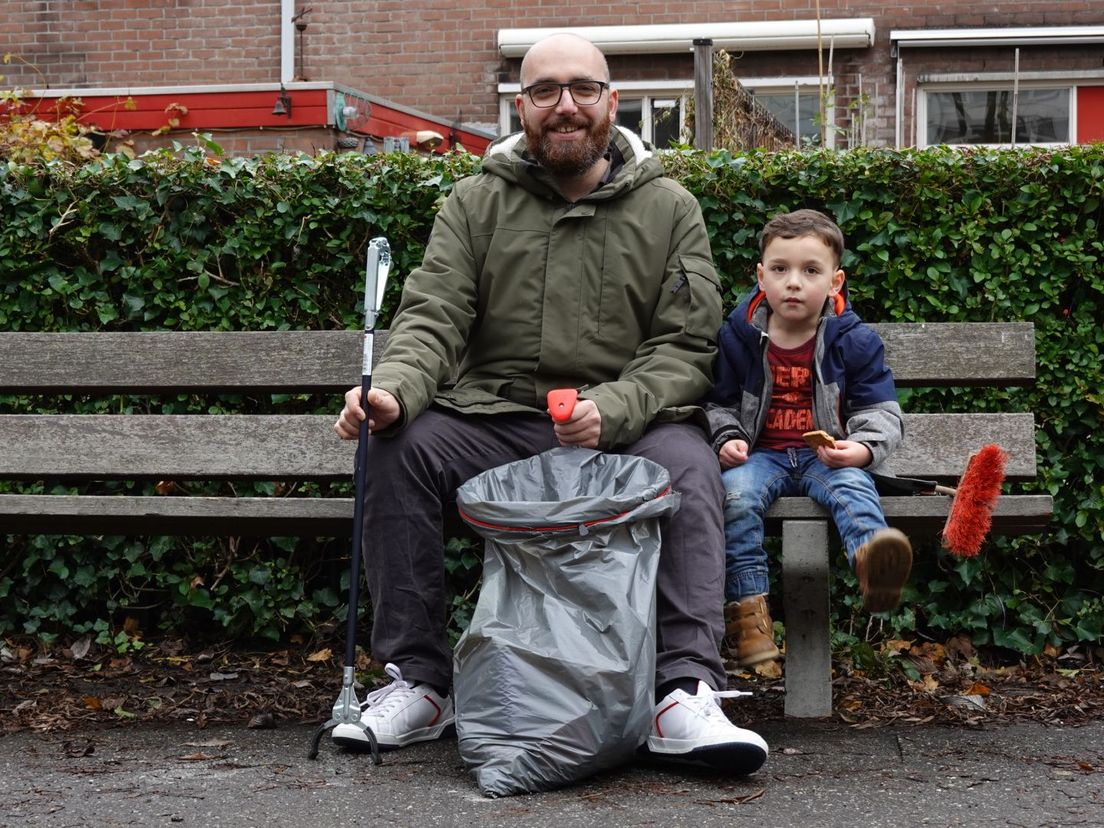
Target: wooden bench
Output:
[(936, 447), (296, 447)]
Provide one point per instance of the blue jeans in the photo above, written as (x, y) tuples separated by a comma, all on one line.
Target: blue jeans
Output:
[(750, 489)]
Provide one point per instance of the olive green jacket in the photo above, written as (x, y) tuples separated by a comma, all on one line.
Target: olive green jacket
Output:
[(521, 291)]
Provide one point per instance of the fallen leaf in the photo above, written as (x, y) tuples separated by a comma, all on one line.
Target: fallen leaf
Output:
[(166, 487), (81, 647), (977, 689), (734, 800), (968, 702), (962, 647), (93, 703), (769, 669), (211, 743), (324, 654), (77, 749), (262, 721), (922, 663)]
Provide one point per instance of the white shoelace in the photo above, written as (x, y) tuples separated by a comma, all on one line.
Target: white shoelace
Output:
[(394, 694), (709, 704)]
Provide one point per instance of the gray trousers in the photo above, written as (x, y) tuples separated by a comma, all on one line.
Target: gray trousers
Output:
[(412, 481)]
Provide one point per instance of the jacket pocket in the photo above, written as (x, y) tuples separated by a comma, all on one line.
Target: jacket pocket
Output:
[(695, 292)]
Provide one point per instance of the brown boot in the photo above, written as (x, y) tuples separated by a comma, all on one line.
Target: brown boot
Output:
[(749, 632), (882, 566)]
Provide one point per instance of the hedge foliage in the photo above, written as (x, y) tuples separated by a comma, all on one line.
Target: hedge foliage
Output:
[(192, 240)]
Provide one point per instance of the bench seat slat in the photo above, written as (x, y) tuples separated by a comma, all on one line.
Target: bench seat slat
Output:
[(332, 516), (304, 447), (172, 515), (1014, 514)]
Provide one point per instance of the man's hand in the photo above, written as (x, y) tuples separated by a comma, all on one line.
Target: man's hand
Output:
[(385, 410), (733, 453), (583, 429), (846, 453)]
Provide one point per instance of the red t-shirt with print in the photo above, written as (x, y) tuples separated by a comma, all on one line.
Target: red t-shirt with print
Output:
[(791, 405)]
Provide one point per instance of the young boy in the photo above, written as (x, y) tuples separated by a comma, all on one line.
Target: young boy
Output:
[(795, 358)]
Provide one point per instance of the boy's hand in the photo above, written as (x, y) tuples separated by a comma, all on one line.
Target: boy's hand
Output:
[(733, 453), (846, 453)]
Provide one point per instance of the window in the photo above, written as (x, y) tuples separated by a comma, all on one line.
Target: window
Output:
[(1049, 108), (984, 116), (782, 97)]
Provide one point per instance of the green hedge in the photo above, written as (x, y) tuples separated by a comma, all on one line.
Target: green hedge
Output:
[(190, 240)]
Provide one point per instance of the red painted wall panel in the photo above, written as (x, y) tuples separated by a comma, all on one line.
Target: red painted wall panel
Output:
[(1090, 114)]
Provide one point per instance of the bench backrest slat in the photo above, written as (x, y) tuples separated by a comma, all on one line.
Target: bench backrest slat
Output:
[(181, 362), (960, 353), (921, 354)]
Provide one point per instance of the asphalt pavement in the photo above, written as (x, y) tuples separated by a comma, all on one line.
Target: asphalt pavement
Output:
[(820, 773)]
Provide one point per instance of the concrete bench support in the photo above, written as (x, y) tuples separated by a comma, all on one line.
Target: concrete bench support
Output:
[(805, 586)]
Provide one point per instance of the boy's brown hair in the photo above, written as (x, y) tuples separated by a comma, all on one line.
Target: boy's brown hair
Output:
[(803, 223)]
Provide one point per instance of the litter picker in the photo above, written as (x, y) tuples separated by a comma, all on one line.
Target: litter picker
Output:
[(346, 710)]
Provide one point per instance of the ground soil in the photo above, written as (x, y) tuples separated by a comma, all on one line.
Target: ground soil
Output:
[(66, 687)]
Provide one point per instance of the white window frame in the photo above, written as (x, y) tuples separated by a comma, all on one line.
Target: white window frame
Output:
[(1001, 81)]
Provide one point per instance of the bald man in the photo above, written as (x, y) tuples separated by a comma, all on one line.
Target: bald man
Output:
[(569, 261)]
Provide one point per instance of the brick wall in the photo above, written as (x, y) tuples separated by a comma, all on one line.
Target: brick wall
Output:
[(439, 56)]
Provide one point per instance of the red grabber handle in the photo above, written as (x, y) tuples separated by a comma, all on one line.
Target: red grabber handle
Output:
[(561, 402)]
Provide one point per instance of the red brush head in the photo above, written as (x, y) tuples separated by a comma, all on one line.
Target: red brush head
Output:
[(972, 508)]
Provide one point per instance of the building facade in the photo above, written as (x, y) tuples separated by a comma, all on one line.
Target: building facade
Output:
[(891, 73)]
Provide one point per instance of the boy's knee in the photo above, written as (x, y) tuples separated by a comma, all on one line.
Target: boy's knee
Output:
[(737, 504)]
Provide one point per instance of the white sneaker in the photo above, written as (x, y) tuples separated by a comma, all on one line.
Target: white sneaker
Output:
[(695, 729), (398, 714)]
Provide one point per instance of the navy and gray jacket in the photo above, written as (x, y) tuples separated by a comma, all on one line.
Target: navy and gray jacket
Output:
[(853, 393)]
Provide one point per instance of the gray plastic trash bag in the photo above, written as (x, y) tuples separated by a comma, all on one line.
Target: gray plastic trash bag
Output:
[(553, 679)]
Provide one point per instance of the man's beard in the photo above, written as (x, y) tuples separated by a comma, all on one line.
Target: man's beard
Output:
[(568, 158)]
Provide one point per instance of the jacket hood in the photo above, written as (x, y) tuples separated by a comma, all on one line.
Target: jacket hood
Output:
[(509, 158), (753, 309)]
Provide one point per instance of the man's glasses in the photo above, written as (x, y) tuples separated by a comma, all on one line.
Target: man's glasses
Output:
[(546, 94)]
